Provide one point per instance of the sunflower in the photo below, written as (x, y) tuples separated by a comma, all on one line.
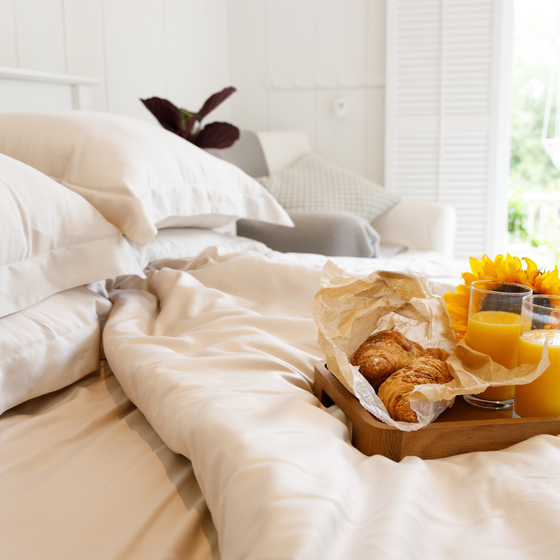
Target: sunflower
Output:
[(506, 269)]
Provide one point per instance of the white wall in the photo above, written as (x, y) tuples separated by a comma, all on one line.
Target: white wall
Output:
[(291, 59), (176, 49)]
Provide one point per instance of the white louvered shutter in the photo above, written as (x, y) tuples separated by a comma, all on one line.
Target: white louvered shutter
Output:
[(447, 112)]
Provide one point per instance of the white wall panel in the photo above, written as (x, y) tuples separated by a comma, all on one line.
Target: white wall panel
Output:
[(150, 49), (135, 54), (292, 58), (8, 47), (197, 62), (186, 39), (341, 43), (40, 35), (182, 64), (177, 49), (291, 42), (248, 63), (122, 63), (375, 42), (341, 140), (83, 21), (218, 50), (293, 110), (375, 134)]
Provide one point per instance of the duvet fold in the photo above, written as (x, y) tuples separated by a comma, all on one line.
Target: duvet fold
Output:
[(218, 353)]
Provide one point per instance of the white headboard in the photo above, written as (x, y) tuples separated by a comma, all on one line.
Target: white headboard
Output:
[(27, 90)]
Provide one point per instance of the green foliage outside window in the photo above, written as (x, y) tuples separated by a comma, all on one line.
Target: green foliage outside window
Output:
[(531, 167)]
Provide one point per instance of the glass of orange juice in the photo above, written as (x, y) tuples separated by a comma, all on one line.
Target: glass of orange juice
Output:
[(540, 320), (493, 328)]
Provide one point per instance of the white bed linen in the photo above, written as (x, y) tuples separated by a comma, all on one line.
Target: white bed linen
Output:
[(218, 352), (83, 476), (140, 176), (51, 239), (51, 344), (173, 243)]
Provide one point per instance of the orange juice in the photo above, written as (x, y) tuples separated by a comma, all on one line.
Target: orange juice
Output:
[(496, 333), (541, 397)]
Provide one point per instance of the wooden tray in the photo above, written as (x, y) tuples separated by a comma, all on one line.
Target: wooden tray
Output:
[(460, 429)]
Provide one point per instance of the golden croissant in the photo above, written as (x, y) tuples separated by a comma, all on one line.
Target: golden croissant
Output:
[(395, 391), (386, 352)]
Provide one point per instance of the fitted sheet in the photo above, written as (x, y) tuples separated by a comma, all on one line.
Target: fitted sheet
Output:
[(84, 476)]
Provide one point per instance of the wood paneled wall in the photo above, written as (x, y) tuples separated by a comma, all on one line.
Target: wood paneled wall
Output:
[(291, 59), (177, 49)]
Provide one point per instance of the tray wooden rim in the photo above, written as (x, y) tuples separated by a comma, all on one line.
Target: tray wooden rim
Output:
[(371, 436)]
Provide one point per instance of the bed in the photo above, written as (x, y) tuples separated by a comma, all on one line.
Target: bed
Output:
[(156, 390)]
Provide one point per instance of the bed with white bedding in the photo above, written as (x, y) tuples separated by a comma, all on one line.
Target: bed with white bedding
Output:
[(156, 390)]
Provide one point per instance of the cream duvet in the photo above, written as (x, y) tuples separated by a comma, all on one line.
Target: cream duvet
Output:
[(218, 352)]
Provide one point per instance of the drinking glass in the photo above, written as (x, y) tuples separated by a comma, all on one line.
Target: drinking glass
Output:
[(540, 320), (493, 328)]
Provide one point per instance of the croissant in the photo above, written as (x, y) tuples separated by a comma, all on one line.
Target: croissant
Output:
[(385, 352), (438, 353), (395, 391)]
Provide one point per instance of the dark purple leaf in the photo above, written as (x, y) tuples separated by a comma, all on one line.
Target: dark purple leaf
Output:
[(214, 100), (217, 135), (166, 113)]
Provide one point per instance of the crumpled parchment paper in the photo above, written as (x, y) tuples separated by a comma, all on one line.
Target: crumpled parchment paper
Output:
[(348, 309)]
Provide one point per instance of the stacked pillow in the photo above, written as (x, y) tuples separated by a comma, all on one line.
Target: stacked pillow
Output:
[(52, 242), (71, 184), (50, 345), (51, 239), (140, 176)]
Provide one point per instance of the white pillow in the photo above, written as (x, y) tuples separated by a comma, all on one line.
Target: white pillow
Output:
[(50, 345), (138, 175), (311, 184), (51, 239), (189, 242)]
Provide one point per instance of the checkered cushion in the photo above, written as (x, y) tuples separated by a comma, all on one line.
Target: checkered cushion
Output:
[(311, 184)]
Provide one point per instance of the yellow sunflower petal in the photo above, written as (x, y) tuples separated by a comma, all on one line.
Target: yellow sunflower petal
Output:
[(469, 278), (492, 272), (464, 291), (476, 266), (515, 267), (499, 261), (531, 265), (549, 282)]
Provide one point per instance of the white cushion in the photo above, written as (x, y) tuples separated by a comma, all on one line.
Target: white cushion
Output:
[(138, 175), (420, 226), (50, 345), (311, 184), (51, 239)]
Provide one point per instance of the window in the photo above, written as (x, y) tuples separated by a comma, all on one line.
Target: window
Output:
[(447, 112), (534, 194)]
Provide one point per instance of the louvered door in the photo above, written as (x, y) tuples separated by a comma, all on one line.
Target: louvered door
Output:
[(447, 111)]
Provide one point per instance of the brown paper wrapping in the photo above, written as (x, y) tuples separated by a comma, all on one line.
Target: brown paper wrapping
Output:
[(348, 309)]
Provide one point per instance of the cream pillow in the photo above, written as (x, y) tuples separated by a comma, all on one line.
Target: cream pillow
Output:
[(140, 176), (50, 344), (51, 239)]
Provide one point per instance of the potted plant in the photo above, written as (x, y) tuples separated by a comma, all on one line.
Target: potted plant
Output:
[(187, 124)]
